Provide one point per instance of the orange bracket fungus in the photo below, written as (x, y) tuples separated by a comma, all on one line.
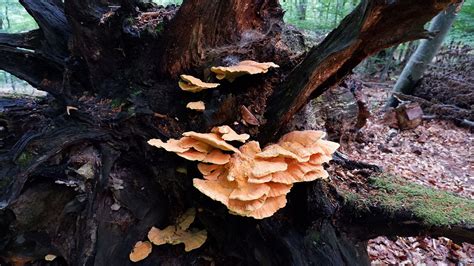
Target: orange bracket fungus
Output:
[(192, 84), (198, 106), (253, 182), (179, 233), (140, 251), (247, 67)]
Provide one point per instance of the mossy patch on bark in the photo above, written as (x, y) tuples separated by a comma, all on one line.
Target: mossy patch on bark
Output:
[(432, 207)]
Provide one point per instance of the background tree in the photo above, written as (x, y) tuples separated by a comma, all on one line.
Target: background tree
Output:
[(424, 54)]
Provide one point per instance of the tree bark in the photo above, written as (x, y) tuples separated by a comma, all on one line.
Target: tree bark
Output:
[(424, 54), (120, 75)]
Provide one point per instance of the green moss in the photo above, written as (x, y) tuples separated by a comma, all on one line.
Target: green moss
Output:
[(136, 92), (4, 182), (313, 236), (115, 103), (24, 159), (431, 206), (159, 28)]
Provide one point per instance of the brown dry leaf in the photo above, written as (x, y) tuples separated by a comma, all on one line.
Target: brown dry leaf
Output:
[(192, 84), (247, 67), (248, 117), (140, 251), (197, 106)]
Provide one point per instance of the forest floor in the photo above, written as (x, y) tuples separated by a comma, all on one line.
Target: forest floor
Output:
[(437, 154)]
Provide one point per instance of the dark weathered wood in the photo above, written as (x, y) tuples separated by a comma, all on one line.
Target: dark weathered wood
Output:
[(201, 26), (28, 40), (371, 27), (443, 111), (49, 15), (33, 68)]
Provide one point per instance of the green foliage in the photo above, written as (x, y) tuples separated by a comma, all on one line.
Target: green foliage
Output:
[(168, 2), (116, 103), (317, 15), (15, 18), (159, 28), (463, 28), (24, 159), (433, 207)]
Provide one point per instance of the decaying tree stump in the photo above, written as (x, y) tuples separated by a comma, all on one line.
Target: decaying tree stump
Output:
[(111, 72)]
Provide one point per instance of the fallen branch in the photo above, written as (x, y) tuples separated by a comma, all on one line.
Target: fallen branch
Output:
[(443, 111), (28, 40), (395, 207)]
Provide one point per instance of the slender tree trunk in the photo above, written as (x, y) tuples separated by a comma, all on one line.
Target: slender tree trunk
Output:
[(328, 8), (388, 63), (409, 51), (6, 17), (336, 13), (12, 83), (424, 54), (301, 8)]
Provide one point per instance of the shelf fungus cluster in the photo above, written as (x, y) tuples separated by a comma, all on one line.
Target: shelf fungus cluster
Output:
[(247, 67), (192, 84), (253, 182), (204, 147), (178, 233), (140, 251), (197, 106)]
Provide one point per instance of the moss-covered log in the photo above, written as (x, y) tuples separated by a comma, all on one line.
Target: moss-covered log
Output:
[(409, 209)]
